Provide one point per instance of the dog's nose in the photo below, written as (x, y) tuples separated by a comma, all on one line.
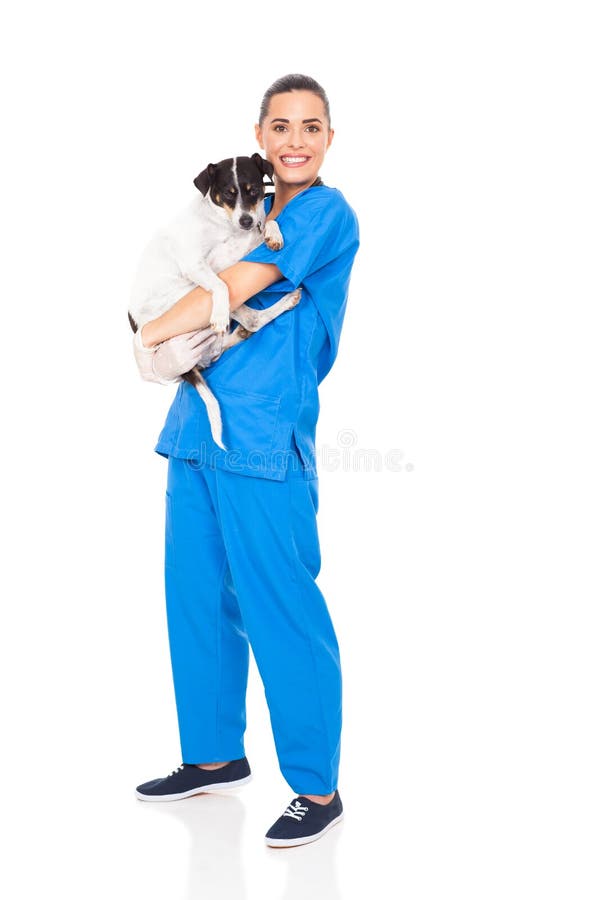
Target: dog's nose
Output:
[(246, 221)]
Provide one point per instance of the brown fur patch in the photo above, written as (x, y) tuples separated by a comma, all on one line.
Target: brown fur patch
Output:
[(224, 206)]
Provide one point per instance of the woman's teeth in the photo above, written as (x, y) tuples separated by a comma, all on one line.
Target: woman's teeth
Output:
[(293, 160)]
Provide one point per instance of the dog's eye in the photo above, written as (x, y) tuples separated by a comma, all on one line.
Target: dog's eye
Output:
[(230, 192)]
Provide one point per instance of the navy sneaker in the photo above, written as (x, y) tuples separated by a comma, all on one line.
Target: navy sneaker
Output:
[(304, 821), (187, 780)]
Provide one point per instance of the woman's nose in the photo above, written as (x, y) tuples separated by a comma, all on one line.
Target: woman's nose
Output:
[(296, 140)]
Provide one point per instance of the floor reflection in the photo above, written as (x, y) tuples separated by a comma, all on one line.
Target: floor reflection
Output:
[(311, 869), (214, 824)]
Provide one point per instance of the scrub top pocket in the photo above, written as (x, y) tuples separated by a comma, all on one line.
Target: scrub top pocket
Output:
[(249, 423)]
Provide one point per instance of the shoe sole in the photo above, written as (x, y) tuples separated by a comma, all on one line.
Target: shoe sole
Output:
[(296, 842), (199, 790)]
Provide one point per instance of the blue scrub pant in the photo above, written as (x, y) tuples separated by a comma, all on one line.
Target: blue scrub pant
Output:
[(241, 557)]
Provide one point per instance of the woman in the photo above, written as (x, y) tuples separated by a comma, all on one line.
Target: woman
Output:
[(241, 547)]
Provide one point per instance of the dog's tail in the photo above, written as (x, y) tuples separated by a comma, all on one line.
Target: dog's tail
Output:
[(212, 405)]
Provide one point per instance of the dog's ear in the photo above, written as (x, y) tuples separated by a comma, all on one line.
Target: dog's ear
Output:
[(264, 165), (204, 180)]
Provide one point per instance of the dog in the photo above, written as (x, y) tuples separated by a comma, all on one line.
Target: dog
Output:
[(223, 223)]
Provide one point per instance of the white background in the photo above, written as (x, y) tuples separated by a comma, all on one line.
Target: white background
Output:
[(463, 586)]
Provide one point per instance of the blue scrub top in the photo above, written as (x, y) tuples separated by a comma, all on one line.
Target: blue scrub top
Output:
[(267, 386)]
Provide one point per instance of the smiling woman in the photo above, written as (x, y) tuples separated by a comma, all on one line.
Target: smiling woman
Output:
[(242, 548), (295, 133)]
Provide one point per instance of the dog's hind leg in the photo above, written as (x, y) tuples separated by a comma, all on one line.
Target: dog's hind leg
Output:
[(236, 336), (253, 319)]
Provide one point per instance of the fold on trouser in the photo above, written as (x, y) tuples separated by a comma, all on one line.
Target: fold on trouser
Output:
[(270, 534)]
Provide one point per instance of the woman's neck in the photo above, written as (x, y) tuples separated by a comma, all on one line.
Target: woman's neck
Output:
[(285, 192)]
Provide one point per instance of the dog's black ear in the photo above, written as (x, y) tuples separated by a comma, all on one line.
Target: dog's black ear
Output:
[(204, 180), (263, 164)]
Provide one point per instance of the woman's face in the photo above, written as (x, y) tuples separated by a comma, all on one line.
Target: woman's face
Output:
[(294, 137)]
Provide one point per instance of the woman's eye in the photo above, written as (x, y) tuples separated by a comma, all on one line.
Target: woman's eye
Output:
[(280, 127)]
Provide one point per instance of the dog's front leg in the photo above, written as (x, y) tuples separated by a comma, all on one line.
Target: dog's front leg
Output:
[(273, 235), (201, 274), (219, 318)]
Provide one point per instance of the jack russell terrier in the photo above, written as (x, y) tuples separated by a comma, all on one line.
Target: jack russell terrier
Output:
[(221, 225)]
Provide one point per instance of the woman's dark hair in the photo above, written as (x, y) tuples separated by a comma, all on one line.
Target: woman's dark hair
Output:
[(293, 83)]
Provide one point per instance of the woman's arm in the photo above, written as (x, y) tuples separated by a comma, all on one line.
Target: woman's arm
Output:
[(191, 312)]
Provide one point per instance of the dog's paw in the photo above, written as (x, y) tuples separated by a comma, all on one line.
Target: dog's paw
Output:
[(220, 313), (219, 322), (273, 235), (294, 297)]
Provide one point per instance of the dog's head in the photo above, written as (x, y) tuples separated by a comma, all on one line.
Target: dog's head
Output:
[(236, 187)]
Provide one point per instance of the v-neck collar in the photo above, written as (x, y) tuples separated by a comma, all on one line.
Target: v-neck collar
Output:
[(318, 182)]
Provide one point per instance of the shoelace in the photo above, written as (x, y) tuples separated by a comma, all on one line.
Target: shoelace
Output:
[(295, 810), (178, 769)]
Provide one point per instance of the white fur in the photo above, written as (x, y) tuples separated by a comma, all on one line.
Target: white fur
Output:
[(201, 241), (188, 252)]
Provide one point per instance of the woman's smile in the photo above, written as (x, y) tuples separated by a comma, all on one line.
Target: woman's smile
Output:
[(294, 160)]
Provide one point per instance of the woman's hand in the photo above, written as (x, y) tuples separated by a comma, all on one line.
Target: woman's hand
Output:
[(166, 362)]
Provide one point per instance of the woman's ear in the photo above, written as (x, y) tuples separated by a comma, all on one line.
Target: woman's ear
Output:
[(264, 165)]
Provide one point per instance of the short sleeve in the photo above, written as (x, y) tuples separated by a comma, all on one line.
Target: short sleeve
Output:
[(317, 228)]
